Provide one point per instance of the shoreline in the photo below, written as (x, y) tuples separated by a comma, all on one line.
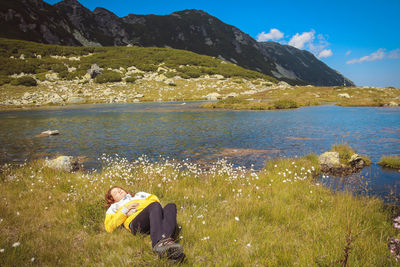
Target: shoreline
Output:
[(213, 106)]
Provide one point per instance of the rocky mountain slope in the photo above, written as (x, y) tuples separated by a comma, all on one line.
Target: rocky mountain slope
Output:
[(70, 23)]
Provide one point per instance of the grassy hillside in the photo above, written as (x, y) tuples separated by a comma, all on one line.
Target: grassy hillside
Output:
[(41, 58), (229, 216)]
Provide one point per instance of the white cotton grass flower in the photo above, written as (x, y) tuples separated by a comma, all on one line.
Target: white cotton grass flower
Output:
[(32, 259), (1, 250), (248, 245), (16, 244), (236, 218)]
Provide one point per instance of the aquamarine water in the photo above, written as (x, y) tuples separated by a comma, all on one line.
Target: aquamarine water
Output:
[(181, 131)]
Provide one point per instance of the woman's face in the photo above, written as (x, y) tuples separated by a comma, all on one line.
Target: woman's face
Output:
[(118, 194)]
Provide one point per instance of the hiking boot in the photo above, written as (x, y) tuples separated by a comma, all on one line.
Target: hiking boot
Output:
[(166, 247)]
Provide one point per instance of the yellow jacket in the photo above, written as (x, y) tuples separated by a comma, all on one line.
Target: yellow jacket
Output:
[(117, 213)]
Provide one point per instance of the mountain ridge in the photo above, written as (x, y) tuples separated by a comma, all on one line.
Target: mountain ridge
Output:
[(70, 23)]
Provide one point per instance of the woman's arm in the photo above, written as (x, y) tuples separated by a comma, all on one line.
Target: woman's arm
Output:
[(113, 220)]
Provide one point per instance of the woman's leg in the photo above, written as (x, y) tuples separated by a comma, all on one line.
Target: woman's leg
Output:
[(154, 220), (169, 220), (149, 221)]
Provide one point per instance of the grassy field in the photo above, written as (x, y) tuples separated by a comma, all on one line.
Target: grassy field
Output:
[(278, 216), (313, 96)]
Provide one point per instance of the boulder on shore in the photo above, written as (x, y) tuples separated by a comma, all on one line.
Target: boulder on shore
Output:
[(64, 163), (329, 159)]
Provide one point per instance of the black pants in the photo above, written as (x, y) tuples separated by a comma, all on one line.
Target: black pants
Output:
[(157, 221)]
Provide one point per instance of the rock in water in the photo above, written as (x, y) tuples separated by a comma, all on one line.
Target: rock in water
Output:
[(48, 133), (64, 163), (356, 161)]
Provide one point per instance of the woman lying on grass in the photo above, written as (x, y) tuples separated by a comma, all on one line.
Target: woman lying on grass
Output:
[(143, 213)]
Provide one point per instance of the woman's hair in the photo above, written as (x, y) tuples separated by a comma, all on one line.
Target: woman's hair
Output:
[(109, 198)]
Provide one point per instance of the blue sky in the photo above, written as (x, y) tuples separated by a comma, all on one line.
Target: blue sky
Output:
[(360, 39)]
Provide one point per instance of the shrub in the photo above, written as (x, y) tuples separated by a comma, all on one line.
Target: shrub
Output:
[(25, 80), (285, 104), (41, 76), (75, 74), (63, 74), (130, 80), (345, 152), (59, 68), (108, 76), (170, 74), (390, 161), (192, 72), (146, 67), (5, 80)]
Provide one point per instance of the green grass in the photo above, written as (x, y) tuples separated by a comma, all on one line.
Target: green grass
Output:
[(278, 216), (388, 161), (346, 151)]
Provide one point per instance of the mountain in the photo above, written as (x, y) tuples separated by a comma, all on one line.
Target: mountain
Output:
[(70, 23)]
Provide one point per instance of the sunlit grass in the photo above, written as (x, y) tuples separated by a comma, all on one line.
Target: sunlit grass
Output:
[(390, 161), (278, 216)]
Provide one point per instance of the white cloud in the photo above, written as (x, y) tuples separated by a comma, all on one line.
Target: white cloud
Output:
[(274, 34), (394, 53), (377, 55), (348, 52), (300, 40), (325, 53)]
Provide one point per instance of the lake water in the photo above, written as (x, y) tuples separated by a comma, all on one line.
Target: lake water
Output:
[(181, 131)]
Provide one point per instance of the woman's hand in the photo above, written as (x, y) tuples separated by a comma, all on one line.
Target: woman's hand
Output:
[(132, 208)]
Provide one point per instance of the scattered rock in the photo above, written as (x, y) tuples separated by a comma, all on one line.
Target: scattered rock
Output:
[(219, 77), (345, 95), (232, 95), (170, 82), (138, 96), (51, 76), (160, 78), (212, 96), (64, 163), (283, 85), (76, 100), (94, 71), (392, 104)]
